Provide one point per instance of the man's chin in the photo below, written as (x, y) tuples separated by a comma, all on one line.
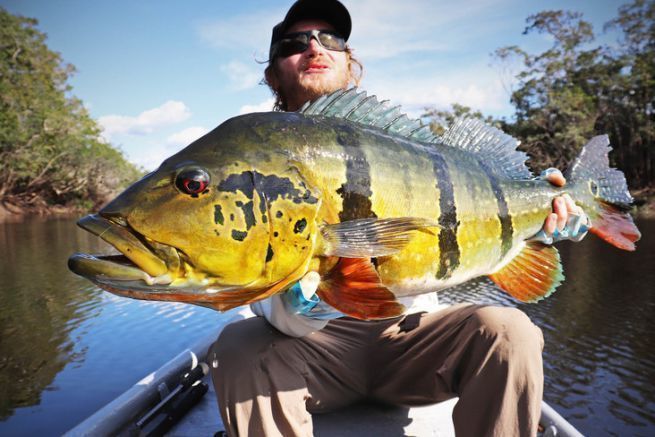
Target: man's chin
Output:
[(319, 85)]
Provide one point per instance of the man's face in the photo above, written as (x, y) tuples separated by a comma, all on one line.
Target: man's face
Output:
[(308, 75)]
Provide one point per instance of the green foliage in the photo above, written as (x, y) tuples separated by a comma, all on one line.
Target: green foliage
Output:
[(574, 91), (439, 120), (50, 148)]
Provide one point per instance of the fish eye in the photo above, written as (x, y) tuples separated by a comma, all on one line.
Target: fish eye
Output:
[(192, 181)]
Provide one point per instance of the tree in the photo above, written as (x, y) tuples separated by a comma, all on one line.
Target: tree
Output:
[(571, 92), (50, 148)]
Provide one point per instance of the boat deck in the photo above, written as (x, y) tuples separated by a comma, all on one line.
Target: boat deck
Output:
[(357, 420)]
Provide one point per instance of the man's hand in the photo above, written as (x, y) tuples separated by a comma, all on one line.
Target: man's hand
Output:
[(301, 297), (567, 221)]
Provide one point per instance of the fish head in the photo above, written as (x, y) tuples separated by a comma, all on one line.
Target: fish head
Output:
[(191, 232)]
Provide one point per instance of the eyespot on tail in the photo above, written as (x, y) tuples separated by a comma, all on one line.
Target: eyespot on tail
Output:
[(592, 175)]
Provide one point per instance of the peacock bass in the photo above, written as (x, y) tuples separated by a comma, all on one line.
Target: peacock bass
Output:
[(351, 188)]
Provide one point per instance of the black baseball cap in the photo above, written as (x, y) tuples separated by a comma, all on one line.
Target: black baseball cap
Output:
[(330, 11)]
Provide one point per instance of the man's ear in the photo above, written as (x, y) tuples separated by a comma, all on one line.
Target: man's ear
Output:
[(271, 78)]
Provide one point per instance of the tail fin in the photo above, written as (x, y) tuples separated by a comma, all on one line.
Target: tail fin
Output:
[(592, 175)]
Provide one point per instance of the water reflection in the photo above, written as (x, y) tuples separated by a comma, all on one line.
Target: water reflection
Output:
[(40, 304)]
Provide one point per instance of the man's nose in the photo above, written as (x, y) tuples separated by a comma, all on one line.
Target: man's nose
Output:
[(314, 46)]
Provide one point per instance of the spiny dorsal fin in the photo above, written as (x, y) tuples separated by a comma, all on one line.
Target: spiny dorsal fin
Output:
[(356, 106), (491, 145)]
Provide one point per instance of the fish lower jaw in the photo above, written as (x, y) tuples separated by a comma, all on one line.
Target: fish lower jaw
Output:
[(158, 280)]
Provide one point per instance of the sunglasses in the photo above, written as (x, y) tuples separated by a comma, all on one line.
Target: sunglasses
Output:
[(298, 42)]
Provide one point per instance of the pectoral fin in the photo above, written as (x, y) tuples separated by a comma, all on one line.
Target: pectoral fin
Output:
[(370, 238), (532, 275), (354, 288)]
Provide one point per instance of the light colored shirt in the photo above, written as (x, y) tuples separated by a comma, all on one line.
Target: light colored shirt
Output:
[(279, 313)]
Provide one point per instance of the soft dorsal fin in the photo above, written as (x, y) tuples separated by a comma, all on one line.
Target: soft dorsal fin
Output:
[(491, 145), (356, 106)]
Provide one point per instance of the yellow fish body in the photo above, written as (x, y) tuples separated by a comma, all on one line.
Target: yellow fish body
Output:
[(353, 189)]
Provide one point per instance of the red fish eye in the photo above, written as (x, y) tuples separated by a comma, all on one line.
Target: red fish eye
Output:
[(192, 181)]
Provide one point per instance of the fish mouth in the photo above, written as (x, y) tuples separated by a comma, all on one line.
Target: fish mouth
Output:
[(144, 265)]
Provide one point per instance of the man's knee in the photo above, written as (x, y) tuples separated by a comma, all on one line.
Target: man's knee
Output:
[(507, 326)]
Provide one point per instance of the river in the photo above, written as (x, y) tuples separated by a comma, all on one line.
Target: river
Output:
[(67, 348)]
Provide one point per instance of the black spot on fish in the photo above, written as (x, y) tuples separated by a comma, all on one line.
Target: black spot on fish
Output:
[(271, 187), (194, 195), (239, 235), (275, 234), (239, 203), (248, 214), (279, 214), (218, 215), (300, 226), (448, 248), (269, 253), (264, 218), (218, 234), (232, 217), (308, 235)]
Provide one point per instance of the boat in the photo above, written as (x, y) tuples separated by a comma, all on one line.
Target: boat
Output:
[(178, 400)]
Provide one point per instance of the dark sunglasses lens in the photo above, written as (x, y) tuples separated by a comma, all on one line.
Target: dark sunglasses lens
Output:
[(288, 47), (331, 41)]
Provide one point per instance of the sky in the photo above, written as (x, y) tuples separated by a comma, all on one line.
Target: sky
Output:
[(157, 75)]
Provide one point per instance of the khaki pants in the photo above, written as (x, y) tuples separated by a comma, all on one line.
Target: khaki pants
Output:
[(268, 383)]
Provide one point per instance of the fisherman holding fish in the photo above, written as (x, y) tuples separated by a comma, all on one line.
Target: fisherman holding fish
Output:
[(337, 221), (274, 371)]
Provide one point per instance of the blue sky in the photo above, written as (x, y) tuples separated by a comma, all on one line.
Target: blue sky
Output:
[(158, 74)]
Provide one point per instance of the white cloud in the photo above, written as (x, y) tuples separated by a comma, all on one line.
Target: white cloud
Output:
[(168, 113), (186, 136), (242, 76), (264, 106), (479, 87), (149, 156), (388, 28)]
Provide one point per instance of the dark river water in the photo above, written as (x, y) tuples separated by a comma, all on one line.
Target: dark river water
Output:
[(67, 348)]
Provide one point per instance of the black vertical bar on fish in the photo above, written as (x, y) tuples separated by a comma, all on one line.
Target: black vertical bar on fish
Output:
[(448, 247), (356, 190), (506, 227)]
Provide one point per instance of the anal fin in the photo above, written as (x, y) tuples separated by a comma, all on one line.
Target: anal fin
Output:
[(532, 275), (354, 288)]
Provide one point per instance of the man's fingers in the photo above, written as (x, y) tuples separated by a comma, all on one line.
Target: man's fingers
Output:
[(571, 207), (555, 177), (559, 208), (550, 224)]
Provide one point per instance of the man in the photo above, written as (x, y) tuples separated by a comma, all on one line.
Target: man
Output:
[(272, 372)]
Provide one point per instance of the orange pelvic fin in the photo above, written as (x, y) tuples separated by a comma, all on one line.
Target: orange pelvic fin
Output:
[(354, 288), (532, 275), (616, 227)]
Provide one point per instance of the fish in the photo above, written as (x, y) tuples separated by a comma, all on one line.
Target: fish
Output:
[(352, 188)]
